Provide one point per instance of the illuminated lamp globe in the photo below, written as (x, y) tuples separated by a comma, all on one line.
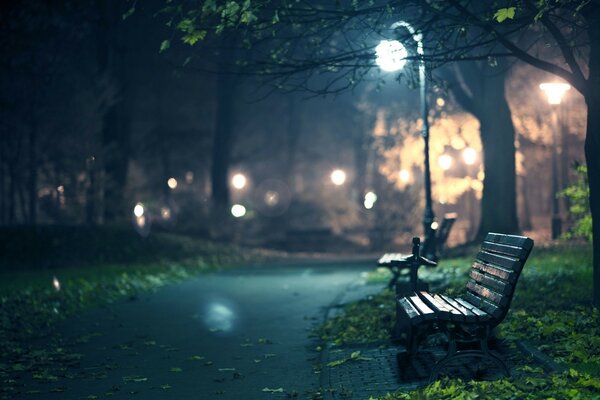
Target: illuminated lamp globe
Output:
[(390, 55)]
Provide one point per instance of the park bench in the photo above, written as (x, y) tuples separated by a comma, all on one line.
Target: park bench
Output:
[(397, 262), (467, 320)]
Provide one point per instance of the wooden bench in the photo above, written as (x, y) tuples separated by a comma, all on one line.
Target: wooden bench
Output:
[(396, 262), (468, 319)]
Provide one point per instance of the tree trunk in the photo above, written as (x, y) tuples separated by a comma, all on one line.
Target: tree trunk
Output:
[(592, 144), (33, 167), (116, 121), (222, 145), (480, 90), (498, 203)]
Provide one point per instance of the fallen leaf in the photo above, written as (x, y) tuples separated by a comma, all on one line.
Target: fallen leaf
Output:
[(269, 390)]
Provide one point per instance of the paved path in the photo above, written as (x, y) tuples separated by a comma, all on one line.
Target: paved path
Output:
[(240, 334)]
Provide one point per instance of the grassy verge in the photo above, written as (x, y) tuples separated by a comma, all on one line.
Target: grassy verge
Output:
[(551, 309), (32, 300)]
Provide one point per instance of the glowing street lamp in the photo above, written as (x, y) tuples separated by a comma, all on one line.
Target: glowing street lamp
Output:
[(554, 93), (391, 56), (370, 199), (338, 177)]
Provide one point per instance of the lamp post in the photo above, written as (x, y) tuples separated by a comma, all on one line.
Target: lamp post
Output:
[(391, 56), (554, 93)]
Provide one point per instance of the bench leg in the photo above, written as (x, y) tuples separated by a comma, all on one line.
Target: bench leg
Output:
[(453, 354)]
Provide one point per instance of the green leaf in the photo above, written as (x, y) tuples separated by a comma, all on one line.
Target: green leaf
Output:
[(176, 369), (128, 13), (504, 14), (164, 45), (269, 390)]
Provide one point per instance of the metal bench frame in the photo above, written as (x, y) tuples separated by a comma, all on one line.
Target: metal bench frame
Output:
[(471, 318)]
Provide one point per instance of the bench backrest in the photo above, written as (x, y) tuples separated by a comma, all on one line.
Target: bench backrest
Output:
[(495, 273)]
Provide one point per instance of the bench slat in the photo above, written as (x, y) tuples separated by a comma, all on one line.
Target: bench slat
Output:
[(497, 285), (502, 261), (484, 305), (509, 240), (445, 311), (468, 315), (482, 316), (423, 309), (486, 293), (409, 310), (512, 251), (504, 274)]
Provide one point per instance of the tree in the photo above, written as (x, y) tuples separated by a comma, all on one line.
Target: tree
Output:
[(337, 40), (480, 89)]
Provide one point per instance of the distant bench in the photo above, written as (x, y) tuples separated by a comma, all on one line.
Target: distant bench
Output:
[(396, 262), (470, 318)]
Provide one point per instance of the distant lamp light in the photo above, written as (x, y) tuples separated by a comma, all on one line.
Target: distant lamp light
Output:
[(445, 162), (370, 199), (141, 221), (238, 210), (165, 213), (239, 181), (435, 225), (390, 55), (60, 189), (189, 177), (172, 183), (469, 155), (404, 175), (440, 102), (338, 177), (56, 283), (271, 198), (138, 210), (555, 91)]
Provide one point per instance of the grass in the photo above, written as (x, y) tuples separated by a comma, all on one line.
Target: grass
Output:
[(550, 309), (34, 297)]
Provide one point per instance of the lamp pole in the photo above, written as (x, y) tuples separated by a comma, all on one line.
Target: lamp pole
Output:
[(396, 54), (554, 92)]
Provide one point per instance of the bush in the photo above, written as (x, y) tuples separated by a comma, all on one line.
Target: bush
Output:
[(578, 194)]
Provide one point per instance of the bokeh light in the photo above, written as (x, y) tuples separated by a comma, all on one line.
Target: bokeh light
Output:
[(238, 210), (56, 283), (165, 213), (445, 161), (370, 199), (271, 198), (338, 177), (138, 210), (435, 225), (404, 175), (469, 155), (172, 182), (239, 181)]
